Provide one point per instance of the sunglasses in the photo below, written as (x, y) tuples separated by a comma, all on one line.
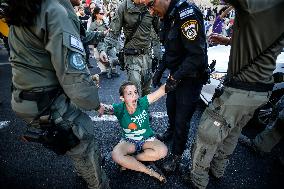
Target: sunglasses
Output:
[(151, 4), (102, 13)]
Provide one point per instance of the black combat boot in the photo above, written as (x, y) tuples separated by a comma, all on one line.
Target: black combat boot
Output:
[(171, 162), (166, 136), (247, 142)]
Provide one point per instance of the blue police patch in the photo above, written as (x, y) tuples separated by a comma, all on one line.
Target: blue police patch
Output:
[(76, 61), (186, 12)]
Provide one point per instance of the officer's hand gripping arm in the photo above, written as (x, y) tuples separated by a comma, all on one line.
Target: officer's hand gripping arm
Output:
[(171, 84)]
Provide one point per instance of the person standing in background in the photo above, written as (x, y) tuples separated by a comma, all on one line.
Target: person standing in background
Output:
[(137, 24)]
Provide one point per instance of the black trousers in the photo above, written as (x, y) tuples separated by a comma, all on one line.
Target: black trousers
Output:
[(181, 104)]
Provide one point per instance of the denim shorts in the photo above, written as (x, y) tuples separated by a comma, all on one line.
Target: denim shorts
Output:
[(138, 143)]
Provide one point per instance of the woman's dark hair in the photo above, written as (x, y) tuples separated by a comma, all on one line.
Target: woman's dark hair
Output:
[(222, 10), (95, 11), (20, 12), (124, 85)]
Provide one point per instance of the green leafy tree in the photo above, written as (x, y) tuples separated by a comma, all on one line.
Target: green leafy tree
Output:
[(215, 2)]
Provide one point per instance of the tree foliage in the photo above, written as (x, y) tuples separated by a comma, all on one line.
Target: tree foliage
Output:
[(215, 2)]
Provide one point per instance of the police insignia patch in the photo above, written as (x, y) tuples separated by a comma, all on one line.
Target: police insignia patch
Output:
[(77, 61), (190, 29)]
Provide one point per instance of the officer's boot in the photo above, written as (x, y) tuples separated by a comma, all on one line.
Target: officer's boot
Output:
[(87, 160), (244, 140), (247, 142), (171, 162), (166, 136)]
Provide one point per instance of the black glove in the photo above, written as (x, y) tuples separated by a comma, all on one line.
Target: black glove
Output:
[(278, 77), (171, 84), (156, 78)]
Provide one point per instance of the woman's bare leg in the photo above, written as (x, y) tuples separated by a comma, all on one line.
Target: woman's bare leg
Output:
[(153, 151), (121, 154)]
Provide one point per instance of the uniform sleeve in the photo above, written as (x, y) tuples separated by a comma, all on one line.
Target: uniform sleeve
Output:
[(67, 56), (93, 37), (156, 24), (192, 33)]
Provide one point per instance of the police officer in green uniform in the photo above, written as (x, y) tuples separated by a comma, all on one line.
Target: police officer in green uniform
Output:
[(137, 23), (257, 40), (49, 72)]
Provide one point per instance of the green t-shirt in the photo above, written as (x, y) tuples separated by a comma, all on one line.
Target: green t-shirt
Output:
[(135, 126)]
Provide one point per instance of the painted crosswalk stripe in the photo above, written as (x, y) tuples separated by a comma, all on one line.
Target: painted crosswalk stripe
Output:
[(4, 124), (113, 118)]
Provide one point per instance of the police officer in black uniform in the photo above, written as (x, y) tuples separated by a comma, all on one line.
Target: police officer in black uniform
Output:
[(186, 58)]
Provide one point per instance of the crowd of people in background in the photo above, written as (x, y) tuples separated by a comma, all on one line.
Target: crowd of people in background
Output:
[(97, 15), (218, 19)]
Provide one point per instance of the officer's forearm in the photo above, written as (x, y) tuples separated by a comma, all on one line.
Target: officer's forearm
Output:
[(188, 68), (108, 109), (84, 94), (93, 38)]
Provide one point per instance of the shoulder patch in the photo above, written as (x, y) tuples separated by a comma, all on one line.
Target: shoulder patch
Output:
[(76, 43), (186, 12), (76, 61), (190, 29)]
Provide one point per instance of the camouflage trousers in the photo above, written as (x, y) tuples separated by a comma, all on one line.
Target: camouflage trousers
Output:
[(139, 71), (218, 132), (86, 155)]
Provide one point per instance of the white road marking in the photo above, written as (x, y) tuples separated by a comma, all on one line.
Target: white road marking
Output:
[(4, 124), (113, 118), (5, 63)]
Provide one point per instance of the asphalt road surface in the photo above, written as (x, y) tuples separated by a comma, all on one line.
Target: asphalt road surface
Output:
[(29, 165)]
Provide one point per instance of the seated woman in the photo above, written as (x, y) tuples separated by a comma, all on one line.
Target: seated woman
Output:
[(138, 143)]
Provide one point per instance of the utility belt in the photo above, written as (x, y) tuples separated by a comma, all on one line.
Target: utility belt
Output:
[(130, 51), (42, 97), (38, 96), (257, 87), (57, 137), (196, 77)]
